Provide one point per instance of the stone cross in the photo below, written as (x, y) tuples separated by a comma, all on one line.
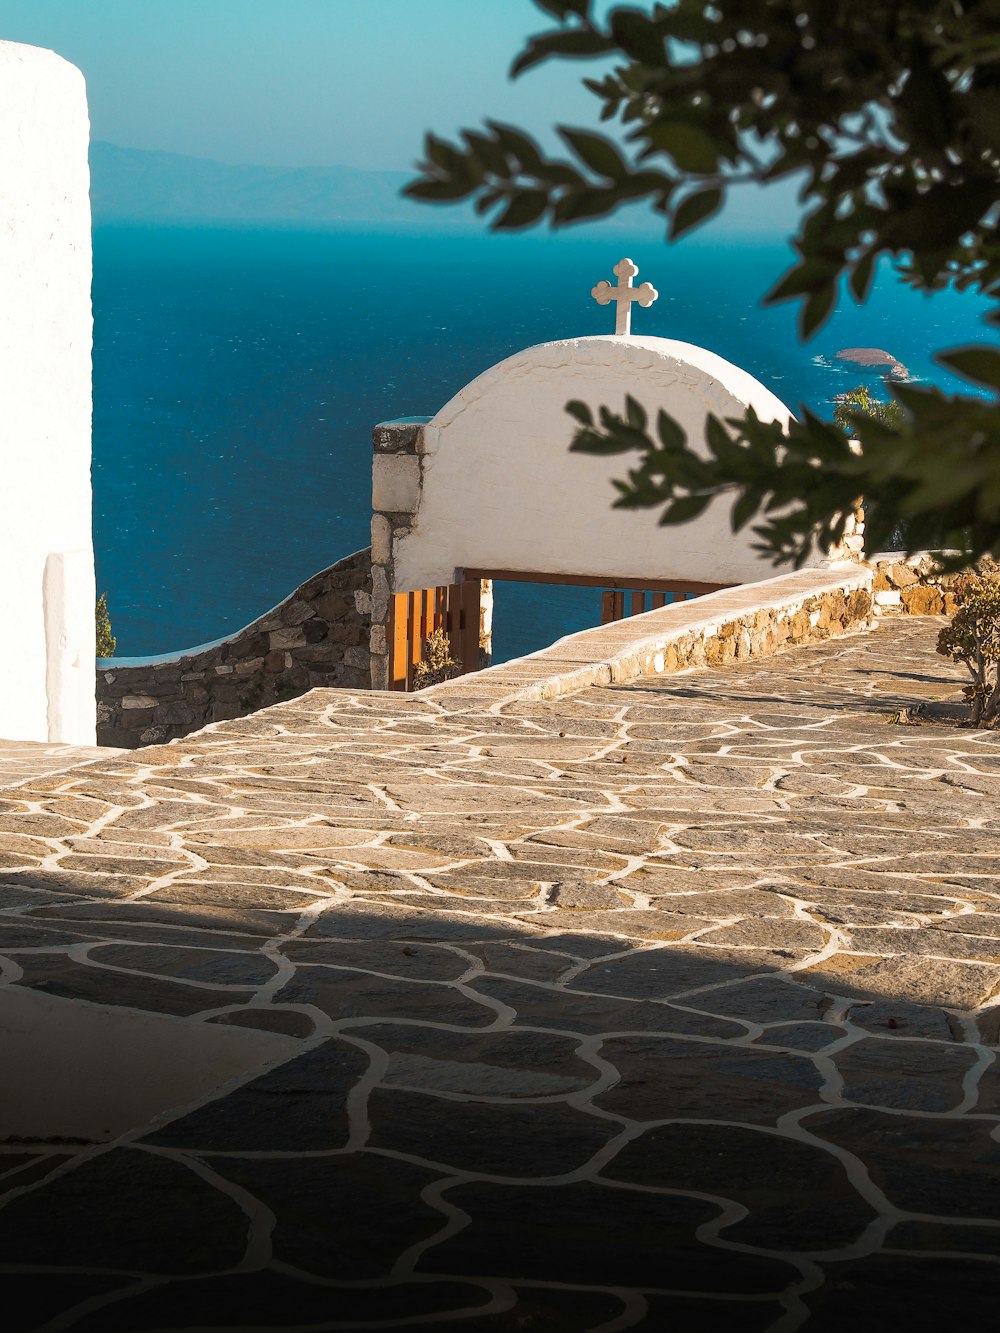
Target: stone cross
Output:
[(623, 294)]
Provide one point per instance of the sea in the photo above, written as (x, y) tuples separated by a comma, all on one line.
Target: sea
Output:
[(238, 374)]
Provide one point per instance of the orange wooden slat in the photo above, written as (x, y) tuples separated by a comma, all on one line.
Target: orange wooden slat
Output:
[(398, 641), (659, 599), (453, 618), (430, 595), (414, 601), (638, 601), (607, 607), (470, 626)]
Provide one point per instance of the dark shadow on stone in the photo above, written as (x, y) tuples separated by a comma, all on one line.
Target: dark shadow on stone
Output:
[(691, 1190)]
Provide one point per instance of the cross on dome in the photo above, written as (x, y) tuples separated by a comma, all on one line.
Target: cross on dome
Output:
[(623, 294)]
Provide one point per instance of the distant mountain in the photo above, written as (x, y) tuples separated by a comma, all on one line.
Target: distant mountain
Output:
[(145, 185), (137, 184)]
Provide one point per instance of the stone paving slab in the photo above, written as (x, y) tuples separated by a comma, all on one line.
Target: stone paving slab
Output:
[(668, 1005), (21, 761)]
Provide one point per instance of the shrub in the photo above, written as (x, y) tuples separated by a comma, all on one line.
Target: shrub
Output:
[(973, 637), (106, 641), (861, 401), (437, 663), (859, 404)]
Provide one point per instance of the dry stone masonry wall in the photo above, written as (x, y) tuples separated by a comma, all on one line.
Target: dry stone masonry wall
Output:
[(913, 585), (317, 636), (733, 625), (763, 632)]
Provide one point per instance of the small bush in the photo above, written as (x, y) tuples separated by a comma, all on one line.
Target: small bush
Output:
[(106, 641), (973, 637), (862, 401), (436, 663)]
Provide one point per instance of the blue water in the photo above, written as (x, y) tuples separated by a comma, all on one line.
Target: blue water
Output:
[(238, 375)]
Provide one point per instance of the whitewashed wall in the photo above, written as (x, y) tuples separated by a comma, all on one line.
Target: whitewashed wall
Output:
[(46, 549), (494, 486)]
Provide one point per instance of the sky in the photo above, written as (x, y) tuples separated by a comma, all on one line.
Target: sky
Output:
[(301, 82)]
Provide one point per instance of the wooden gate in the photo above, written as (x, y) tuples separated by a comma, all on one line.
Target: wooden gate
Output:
[(620, 598), (414, 616), (620, 603), (455, 607)]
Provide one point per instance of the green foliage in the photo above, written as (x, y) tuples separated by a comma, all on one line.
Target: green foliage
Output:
[(106, 641), (973, 637), (888, 113), (861, 404), (436, 663)]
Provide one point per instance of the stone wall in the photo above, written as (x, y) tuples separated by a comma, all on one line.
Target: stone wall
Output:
[(912, 585), (317, 636), (766, 631), (732, 625)]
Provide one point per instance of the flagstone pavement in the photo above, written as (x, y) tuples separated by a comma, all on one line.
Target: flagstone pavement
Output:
[(21, 760), (667, 1006)]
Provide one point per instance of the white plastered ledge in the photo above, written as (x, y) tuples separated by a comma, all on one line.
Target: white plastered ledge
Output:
[(46, 547), (501, 491)]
